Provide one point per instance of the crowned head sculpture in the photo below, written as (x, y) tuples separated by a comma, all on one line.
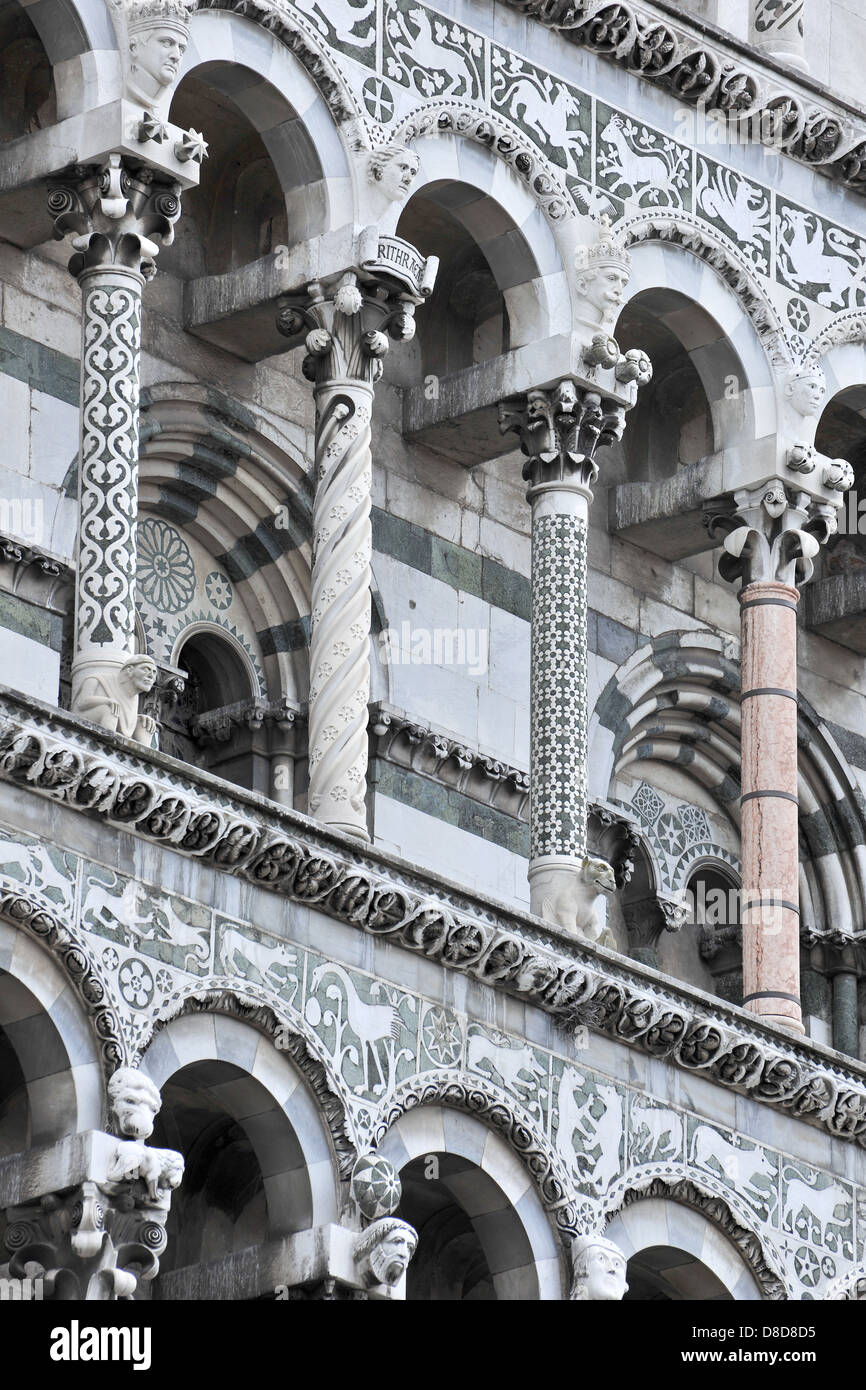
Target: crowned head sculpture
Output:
[(157, 34), (805, 389), (603, 271), (599, 1270)]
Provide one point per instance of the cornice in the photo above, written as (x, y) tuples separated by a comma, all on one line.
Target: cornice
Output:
[(718, 74), (63, 759)]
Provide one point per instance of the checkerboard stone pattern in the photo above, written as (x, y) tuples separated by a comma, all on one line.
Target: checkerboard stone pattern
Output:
[(558, 682), (375, 1187)]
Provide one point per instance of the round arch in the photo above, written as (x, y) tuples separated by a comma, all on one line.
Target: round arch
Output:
[(484, 1176), (672, 1210), (677, 700), (464, 185), (240, 489), (228, 1065), (274, 89), (688, 296), (48, 1025)]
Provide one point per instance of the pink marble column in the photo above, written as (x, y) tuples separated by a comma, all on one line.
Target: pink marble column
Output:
[(770, 894)]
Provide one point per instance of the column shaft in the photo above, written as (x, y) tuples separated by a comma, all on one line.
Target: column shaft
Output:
[(846, 1032), (340, 621), (558, 698), (108, 471), (770, 853), (777, 29)]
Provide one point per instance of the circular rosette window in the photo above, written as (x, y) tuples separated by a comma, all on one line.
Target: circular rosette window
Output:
[(166, 574)]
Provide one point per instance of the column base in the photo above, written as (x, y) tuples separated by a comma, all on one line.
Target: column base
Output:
[(778, 1020)]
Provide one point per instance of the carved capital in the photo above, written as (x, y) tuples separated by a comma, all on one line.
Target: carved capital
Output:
[(560, 430), (347, 329), (117, 216), (647, 919), (771, 534)]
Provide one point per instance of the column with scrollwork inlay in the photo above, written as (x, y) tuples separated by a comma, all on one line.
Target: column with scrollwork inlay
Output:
[(560, 428), (117, 217), (346, 329), (777, 29)]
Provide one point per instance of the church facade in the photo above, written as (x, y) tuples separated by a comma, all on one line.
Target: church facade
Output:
[(433, 621)]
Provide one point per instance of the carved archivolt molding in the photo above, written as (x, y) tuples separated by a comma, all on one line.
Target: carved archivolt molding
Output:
[(73, 957), (848, 1288), (845, 328), (290, 1035), (288, 26), (575, 984), (569, 1213), (694, 70), (503, 139), (719, 1210), (693, 235)]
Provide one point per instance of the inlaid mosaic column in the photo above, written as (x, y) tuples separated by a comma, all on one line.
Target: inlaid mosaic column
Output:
[(560, 427), (777, 29), (772, 538), (118, 220), (348, 329), (559, 431)]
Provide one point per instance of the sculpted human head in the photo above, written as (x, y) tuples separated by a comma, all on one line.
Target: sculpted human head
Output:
[(604, 288), (393, 168), (599, 1270), (158, 34), (157, 53), (805, 390), (382, 1252), (133, 1104), (138, 674)]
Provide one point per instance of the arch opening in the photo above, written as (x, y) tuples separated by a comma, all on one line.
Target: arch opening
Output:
[(663, 1273)]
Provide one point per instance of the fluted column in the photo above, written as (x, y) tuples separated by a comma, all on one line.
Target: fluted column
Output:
[(771, 537), (118, 219), (777, 29), (348, 330)]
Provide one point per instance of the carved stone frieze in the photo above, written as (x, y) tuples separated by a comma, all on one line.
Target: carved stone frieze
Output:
[(785, 115), (290, 855)]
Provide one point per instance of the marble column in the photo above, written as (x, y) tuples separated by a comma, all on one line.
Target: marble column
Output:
[(560, 427), (770, 538), (348, 330), (118, 219), (776, 28)]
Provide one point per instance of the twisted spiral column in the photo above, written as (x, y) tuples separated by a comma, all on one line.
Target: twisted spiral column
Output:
[(340, 622)]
